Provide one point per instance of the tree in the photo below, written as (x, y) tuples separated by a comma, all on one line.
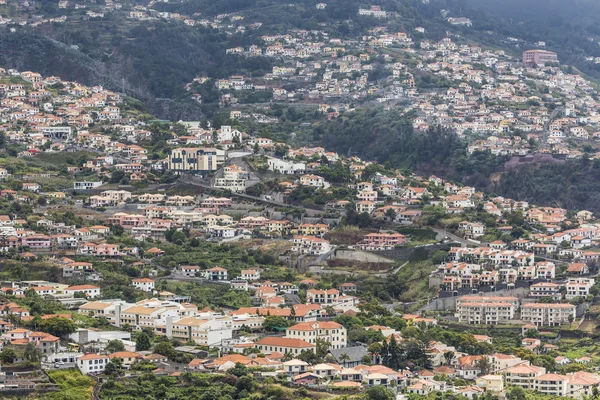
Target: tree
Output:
[(32, 353), (448, 356), (142, 342), (165, 348), (115, 345), (239, 370), (114, 366), (57, 326), (517, 393), (273, 321), (8, 355), (571, 319), (380, 393), (322, 347), (116, 176), (484, 365)]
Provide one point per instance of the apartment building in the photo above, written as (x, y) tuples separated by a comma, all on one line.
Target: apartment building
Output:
[(317, 296), (313, 229), (481, 312), (195, 160), (523, 375), (234, 178), (552, 384), (207, 331), (578, 287), (543, 314), (502, 362), (283, 345), (331, 332), (310, 245), (539, 57), (382, 241), (545, 289)]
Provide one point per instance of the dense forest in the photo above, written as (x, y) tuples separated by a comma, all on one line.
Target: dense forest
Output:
[(572, 185)]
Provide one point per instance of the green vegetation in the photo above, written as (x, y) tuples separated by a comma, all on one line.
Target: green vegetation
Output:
[(237, 384), (574, 184), (73, 385)]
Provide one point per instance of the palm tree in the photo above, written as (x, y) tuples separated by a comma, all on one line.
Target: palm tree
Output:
[(343, 358), (449, 356)]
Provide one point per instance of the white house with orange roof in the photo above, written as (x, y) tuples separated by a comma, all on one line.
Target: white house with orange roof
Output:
[(92, 363), (90, 291), (143, 284), (329, 331), (318, 296)]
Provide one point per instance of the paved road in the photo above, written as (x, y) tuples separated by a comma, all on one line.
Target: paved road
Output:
[(464, 242), (190, 180)]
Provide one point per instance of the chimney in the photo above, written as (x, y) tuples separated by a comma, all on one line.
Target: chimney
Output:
[(169, 324), (118, 315)]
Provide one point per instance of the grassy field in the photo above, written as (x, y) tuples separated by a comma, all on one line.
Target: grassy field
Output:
[(415, 276), (73, 385)]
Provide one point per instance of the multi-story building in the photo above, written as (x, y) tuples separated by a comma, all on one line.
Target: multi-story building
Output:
[(382, 241), (523, 375), (331, 332), (492, 310), (283, 345), (312, 180), (92, 363), (208, 331), (195, 160), (545, 289), (313, 229), (539, 57), (310, 245), (552, 384), (234, 178), (317, 296), (545, 314), (578, 287), (250, 275), (144, 284)]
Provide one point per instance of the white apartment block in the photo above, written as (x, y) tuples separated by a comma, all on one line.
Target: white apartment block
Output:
[(545, 289), (203, 330), (543, 314), (578, 287), (310, 245), (523, 376), (485, 311)]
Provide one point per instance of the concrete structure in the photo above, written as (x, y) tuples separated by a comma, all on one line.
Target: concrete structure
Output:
[(539, 57)]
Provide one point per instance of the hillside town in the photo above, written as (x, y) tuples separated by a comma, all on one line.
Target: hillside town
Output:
[(502, 262), (188, 252)]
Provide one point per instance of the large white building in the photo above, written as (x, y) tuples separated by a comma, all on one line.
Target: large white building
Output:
[(545, 314), (485, 310), (285, 167), (204, 330), (331, 332)]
